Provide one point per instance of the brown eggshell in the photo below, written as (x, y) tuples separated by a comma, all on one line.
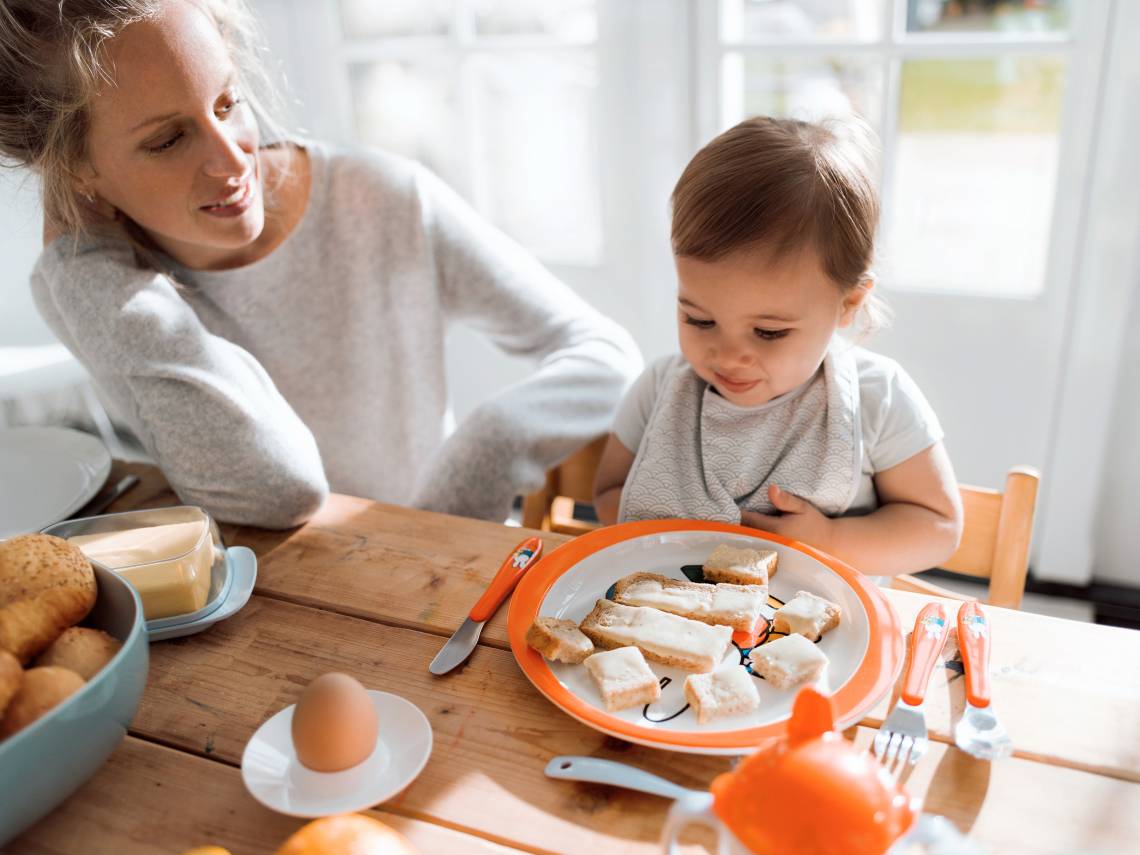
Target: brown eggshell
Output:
[(82, 650), (43, 688), (334, 724)]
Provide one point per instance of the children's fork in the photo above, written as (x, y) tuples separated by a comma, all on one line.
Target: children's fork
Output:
[(903, 734)]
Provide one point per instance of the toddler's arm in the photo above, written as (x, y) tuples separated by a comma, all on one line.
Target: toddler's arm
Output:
[(610, 479), (917, 525)]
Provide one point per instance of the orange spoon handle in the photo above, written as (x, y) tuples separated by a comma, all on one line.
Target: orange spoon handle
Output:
[(926, 642), (974, 642), (522, 558)]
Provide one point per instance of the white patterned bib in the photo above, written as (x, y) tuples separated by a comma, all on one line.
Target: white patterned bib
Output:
[(702, 457)]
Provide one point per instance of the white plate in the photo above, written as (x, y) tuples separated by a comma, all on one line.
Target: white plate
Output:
[(46, 475), (274, 776), (864, 652)]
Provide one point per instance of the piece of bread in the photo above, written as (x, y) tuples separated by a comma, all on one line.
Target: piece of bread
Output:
[(82, 650), (724, 692), (788, 661), (807, 615), (559, 640), (740, 566), (624, 678), (737, 606), (11, 677), (42, 689), (662, 637), (46, 585)]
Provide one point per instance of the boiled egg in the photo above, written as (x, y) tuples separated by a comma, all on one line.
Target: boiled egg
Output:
[(334, 724)]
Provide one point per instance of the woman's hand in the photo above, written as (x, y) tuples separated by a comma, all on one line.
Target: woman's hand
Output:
[(798, 519)]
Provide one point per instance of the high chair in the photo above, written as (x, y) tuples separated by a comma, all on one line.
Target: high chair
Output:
[(995, 534)]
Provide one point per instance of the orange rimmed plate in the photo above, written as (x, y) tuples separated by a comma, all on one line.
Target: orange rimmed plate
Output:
[(865, 651)]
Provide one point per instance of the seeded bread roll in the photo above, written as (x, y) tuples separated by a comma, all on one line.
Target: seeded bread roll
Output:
[(662, 637), (559, 640), (11, 677), (42, 689), (623, 678), (737, 606), (46, 585), (740, 566), (724, 692), (82, 650)]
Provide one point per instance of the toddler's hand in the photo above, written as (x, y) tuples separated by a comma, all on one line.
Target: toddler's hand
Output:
[(797, 519)]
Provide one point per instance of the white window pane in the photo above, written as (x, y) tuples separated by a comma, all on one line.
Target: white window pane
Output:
[(983, 16), (574, 21), (412, 109), (513, 132), (974, 175), (373, 18), (536, 161), (800, 87), (744, 20)]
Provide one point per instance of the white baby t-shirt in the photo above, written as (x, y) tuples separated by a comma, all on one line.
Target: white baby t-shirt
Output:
[(895, 423)]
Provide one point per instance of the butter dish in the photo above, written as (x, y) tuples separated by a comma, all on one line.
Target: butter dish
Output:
[(175, 559)]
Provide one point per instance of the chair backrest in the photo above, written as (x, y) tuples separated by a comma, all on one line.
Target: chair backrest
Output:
[(996, 532)]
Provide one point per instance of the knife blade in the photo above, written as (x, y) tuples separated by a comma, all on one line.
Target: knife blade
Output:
[(463, 640)]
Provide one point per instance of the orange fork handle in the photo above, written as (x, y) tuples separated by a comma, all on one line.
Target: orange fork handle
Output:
[(926, 642), (522, 558), (974, 642)]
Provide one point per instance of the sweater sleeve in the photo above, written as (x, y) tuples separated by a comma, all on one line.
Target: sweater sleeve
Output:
[(584, 363), (203, 407)]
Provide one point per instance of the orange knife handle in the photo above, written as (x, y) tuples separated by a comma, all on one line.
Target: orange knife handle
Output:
[(521, 559), (926, 642), (974, 642)]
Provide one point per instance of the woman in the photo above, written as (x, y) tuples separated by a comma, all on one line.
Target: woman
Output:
[(269, 317)]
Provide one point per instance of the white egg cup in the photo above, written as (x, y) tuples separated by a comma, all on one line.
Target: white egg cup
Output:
[(275, 777)]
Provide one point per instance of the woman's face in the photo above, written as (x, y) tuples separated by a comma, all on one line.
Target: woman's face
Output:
[(173, 145)]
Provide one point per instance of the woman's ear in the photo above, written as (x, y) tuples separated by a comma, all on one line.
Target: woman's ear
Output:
[(853, 300)]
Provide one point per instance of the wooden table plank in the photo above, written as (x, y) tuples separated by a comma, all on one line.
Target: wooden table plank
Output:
[(494, 734), (152, 800)]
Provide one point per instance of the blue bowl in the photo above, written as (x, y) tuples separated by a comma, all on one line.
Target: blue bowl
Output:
[(48, 760)]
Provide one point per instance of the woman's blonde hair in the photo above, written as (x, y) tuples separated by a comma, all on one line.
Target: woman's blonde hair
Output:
[(779, 185), (52, 61)]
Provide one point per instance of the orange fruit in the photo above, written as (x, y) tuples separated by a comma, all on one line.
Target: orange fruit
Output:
[(207, 850), (346, 834)]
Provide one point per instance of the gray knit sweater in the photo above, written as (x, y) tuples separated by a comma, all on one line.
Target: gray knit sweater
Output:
[(321, 365)]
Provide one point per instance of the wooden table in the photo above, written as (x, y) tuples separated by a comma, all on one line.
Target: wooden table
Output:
[(374, 589)]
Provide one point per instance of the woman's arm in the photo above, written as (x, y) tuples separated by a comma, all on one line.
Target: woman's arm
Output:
[(584, 362), (917, 525), (610, 479), (204, 408)]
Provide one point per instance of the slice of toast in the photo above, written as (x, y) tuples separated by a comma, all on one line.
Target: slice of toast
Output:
[(740, 566), (788, 661), (806, 614), (724, 692), (662, 637), (624, 678), (559, 640), (737, 606)]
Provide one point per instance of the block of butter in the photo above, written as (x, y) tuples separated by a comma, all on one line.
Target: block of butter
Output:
[(170, 565)]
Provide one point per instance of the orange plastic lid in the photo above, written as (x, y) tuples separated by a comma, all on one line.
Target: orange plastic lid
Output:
[(813, 793)]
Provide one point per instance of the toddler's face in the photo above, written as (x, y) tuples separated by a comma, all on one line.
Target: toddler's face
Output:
[(754, 328)]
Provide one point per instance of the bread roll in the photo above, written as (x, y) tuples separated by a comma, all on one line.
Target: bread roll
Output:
[(11, 677), (46, 585), (82, 650), (43, 688)]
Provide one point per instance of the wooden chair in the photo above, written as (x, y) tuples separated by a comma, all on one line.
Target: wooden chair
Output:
[(996, 532)]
